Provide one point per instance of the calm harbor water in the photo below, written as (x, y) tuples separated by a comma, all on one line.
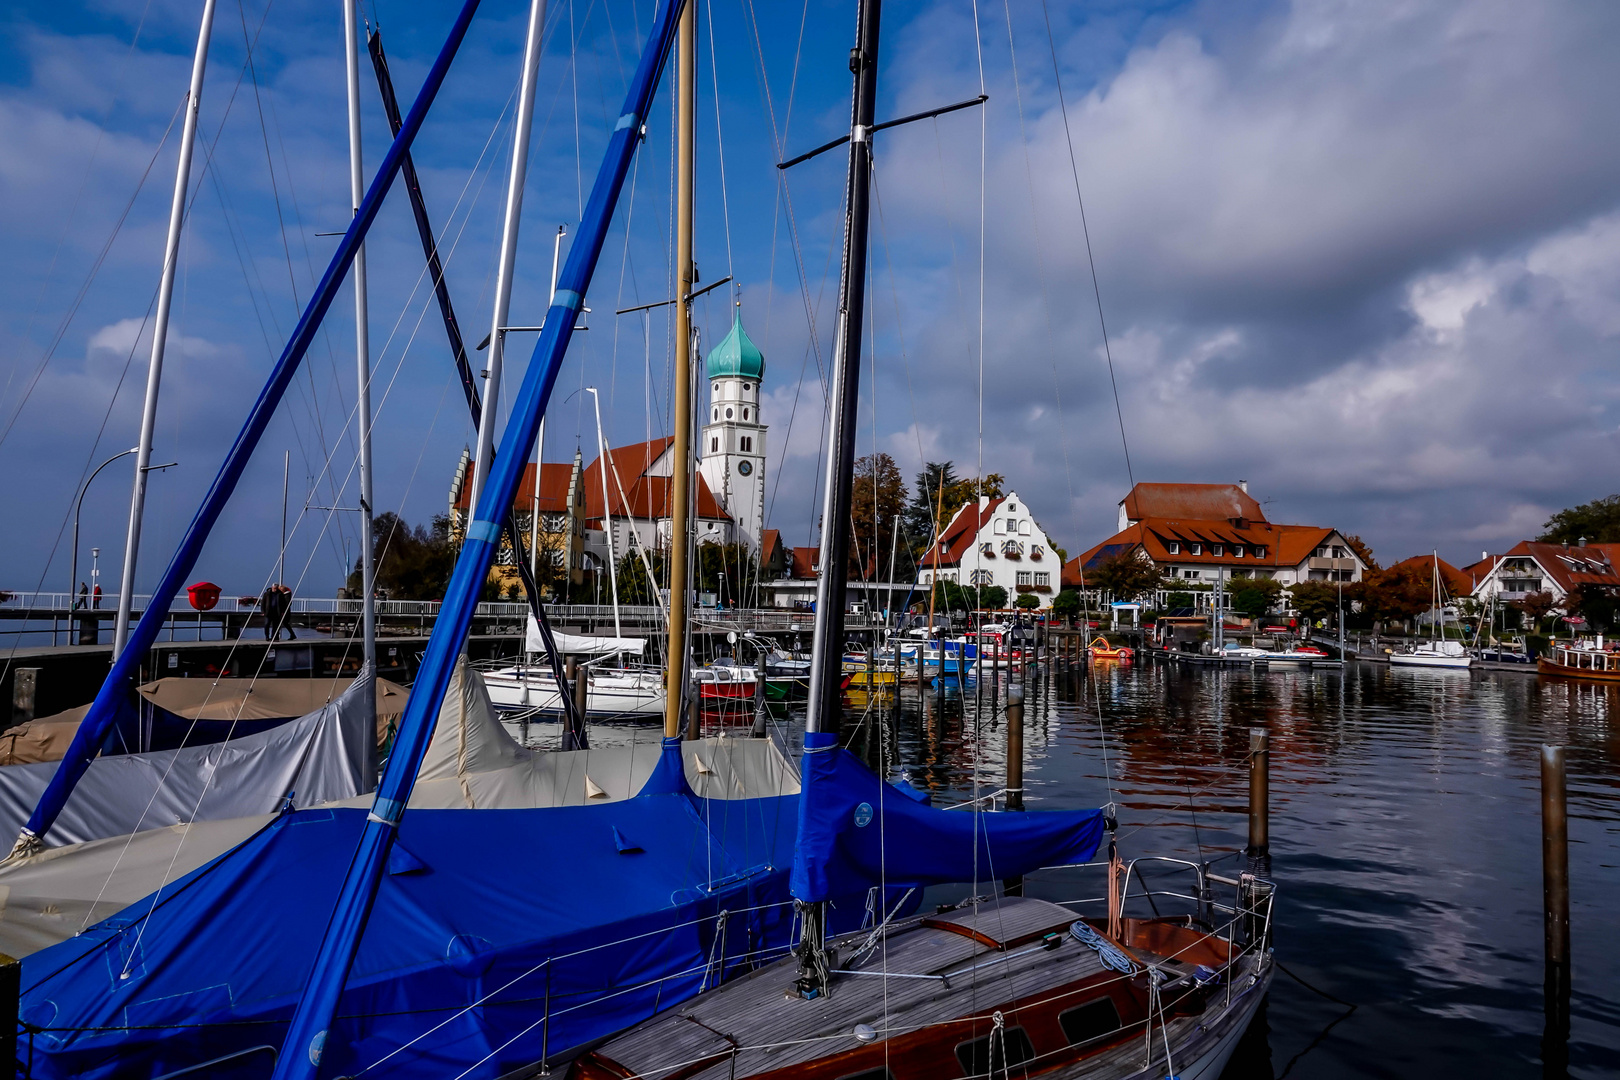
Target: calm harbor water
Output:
[(1405, 837), (1405, 831)]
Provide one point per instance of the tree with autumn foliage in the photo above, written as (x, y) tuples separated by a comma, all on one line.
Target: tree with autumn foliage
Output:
[(1363, 551), (1125, 576), (877, 501), (1400, 593)]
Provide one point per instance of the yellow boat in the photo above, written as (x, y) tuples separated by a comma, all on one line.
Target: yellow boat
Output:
[(1102, 650)]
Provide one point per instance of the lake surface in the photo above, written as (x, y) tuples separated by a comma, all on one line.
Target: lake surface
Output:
[(1405, 836)]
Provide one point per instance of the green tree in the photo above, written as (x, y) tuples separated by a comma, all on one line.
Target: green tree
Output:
[(992, 597), (1176, 600), (1257, 596), (1027, 602), (1125, 576), (1066, 604), (412, 564), (730, 571), (1315, 599), (1598, 521), (634, 587), (1594, 603)]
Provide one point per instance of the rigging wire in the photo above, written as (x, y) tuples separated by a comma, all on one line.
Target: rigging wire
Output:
[(1085, 229)]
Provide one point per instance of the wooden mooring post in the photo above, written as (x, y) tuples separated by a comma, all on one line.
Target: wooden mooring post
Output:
[(1259, 849), (1555, 912), (1014, 886)]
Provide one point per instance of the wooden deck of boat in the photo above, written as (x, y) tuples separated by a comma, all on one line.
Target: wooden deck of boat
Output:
[(759, 1024)]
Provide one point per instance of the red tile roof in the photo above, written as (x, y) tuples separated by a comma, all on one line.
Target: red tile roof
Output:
[(1476, 572), (1205, 502), (1285, 546), (801, 563), (643, 496), (554, 479), (1572, 566), (768, 540), (959, 533), (1458, 582)]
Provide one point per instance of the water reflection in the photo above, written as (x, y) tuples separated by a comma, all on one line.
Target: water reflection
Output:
[(1405, 837)]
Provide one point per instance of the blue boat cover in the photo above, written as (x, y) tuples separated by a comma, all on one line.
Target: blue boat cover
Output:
[(484, 917), (856, 830)]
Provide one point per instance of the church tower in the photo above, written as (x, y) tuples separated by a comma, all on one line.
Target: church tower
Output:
[(733, 444)]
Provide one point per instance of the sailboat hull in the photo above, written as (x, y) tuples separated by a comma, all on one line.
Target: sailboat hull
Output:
[(1423, 661)]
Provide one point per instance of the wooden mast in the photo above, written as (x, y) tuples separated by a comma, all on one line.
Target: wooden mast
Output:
[(681, 449)]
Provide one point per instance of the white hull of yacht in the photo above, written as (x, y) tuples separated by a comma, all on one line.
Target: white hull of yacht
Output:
[(608, 694), (1423, 660)]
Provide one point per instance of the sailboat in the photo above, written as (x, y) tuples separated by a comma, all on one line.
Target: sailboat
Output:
[(1441, 652), (977, 989), (421, 930)]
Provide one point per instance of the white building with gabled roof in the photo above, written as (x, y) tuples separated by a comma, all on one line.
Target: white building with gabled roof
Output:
[(995, 542)]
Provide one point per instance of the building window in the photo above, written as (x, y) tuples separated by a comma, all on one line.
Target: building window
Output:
[(1197, 549), (745, 414), (716, 390), (1338, 552), (1036, 551), (1025, 577), (1043, 581), (747, 386), (714, 445), (1321, 552), (987, 548), (1190, 575), (1217, 550), (728, 414), (1173, 546), (1260, 551), (1012, 507), (747, 444), (1012, 525), (1237, 551), (1012, 548), (983, 577)]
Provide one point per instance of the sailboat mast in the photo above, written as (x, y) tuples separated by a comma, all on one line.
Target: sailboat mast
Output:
[(826, 704), (680, 491), (160, 331), (362, 349), (509, 237)]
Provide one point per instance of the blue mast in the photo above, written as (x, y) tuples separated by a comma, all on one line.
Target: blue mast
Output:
[(126, 669), (306, 1038)]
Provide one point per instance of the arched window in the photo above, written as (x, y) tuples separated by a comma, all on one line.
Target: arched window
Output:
[(745, 414), (714, 446)]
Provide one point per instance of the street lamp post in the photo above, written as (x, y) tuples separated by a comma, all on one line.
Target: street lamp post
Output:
[(78, 505)]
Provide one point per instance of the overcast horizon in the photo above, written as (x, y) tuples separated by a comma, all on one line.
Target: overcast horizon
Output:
[(1364, 256)]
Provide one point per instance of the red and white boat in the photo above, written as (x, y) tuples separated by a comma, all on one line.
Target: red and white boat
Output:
[(726, 680)]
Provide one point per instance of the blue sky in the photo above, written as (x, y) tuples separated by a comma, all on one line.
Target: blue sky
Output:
[(1362, 255)]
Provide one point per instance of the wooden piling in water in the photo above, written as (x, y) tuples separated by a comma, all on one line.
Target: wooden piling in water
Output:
[(1259, 849), (1555, 911), (1014, 886)]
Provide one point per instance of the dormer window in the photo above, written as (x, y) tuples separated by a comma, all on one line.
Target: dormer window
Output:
[(1217, 550), (1237, 551), (1173, 546), (1259, 551), (1196, 549)]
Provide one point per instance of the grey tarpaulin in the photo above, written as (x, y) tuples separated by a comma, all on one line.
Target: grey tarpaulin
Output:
[(321, 757)]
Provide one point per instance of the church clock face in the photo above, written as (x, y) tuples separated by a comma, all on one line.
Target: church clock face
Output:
[(745, 467)]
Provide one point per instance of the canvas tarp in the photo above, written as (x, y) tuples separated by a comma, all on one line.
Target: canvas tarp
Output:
[(194, 712), (471, 763), (583, 644), (326, 755), (855, 828)]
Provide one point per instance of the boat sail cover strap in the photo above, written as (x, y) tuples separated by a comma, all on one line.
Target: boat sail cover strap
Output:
[(855, 829)]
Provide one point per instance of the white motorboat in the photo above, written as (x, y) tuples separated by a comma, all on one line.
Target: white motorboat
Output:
[(1433, 654)]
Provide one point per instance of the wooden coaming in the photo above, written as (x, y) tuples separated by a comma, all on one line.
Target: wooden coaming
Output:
[(993, 961)]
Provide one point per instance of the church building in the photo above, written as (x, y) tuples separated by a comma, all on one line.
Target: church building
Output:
[(732, 448)]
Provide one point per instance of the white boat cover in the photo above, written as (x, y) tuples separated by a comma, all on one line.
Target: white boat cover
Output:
[(583, 644), (471, 763), (325, 755)]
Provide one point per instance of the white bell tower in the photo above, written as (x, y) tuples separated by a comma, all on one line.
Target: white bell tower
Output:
[(733, 445)]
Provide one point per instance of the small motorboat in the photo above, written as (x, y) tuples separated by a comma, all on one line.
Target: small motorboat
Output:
[(1100, 649), (726, 680)]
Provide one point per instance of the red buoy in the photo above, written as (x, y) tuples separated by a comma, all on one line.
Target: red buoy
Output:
[(203, 595)]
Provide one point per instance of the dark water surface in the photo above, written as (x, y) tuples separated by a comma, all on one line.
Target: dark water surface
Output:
[(1405, 834)]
